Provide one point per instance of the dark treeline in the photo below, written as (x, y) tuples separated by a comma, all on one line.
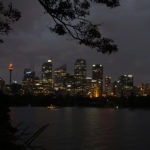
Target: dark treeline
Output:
[(67, 100), (7, 131)]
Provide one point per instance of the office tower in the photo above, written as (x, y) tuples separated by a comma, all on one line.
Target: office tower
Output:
[(116, 89), (126, 83), (70, 84), (108, 86), (31, 84), (97, 74), (28, 81), (94, 90), (80, 71), (38, 88), (47, 73), (29, 74), (88, 86), (59, 79)]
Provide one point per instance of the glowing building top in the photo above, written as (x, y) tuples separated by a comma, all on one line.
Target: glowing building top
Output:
[(47, 71), (10, 67)]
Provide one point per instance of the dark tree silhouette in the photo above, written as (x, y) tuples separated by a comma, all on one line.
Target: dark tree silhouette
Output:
[(8, 15), (69, 17)]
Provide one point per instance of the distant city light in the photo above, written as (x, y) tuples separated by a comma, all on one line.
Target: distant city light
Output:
[(130, 76), (28, 72), (15, 82), (10, 67), (49, 60), (68, 85)]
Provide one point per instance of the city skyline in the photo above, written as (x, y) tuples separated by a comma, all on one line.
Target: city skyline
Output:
[(59, 81), (89, 73), (31, 43)]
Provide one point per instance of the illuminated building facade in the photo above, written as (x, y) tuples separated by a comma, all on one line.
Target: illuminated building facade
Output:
[(70, 84), (59, 78), (47, 81), (88, 86), (94, 91), (141, 89), (80, 71), (116, 89), (108, 86), (97, 74), (47, 73), (28, 81), (38, 88), (126, 83)]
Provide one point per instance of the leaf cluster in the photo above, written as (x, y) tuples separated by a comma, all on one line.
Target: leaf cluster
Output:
[(69, 17), (8, 15)]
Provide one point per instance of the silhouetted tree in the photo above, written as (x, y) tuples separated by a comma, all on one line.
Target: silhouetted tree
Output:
[(69, 17), (8, 15)]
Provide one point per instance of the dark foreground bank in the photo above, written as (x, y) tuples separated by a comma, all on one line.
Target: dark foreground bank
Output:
[(135, 102), (9, 139)]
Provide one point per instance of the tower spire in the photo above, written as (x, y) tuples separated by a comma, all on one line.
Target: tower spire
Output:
[(10, 68)]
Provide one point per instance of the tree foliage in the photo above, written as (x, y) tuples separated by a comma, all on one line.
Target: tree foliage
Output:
[(69, 17), (8, 15)]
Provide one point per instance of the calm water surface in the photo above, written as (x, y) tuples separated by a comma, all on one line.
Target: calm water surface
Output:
[(73, 128)]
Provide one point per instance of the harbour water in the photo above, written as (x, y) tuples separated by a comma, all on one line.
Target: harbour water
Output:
[(75, 128)]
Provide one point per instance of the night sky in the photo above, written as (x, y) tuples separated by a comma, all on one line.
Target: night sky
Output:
[(31, 43)]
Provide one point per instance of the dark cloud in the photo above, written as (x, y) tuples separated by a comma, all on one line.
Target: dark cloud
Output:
[(31, 43)]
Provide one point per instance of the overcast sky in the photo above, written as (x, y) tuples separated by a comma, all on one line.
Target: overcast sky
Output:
[(30, 44)]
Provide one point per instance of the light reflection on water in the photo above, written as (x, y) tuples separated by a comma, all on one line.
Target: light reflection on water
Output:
[(74, 128)]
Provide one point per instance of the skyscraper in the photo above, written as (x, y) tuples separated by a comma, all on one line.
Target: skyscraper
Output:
[(47, 73), (126, 81), (28, 81), (94, 90), (59, 78), (108, 85), (126, 84), (70, 84), (29, 74), (116, 88), (80, 71), (97, 74)]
